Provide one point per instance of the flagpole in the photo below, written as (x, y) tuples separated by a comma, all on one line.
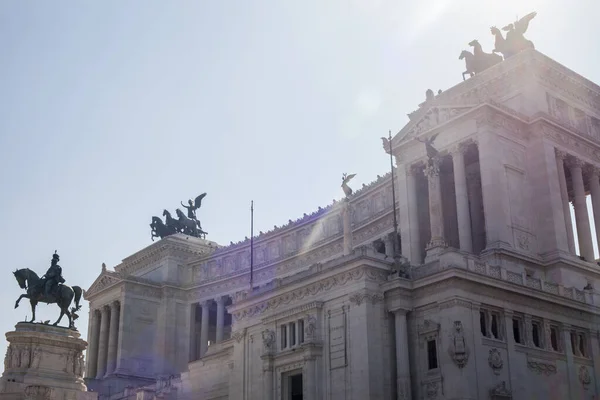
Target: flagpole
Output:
[(251, 243), (396, 244)]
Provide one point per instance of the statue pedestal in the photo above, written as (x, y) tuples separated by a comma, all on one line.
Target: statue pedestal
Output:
[(44, 362)]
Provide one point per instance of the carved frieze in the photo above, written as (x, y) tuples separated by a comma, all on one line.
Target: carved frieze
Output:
[(541, 367), (359, 297), (239, 335)]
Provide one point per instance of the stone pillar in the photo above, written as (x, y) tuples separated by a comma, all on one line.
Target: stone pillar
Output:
[(204, 328), (584, 233), (416, 248), (220, 317), (435, 208), (103, 343), (562, 180), (592, 174), (347, 227), (113, 338), (268, 370), (92, 358), (311, 376), (462, 199), (402, 361)]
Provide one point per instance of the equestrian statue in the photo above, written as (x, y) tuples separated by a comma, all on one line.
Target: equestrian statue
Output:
[(188, 225), (50, 288)]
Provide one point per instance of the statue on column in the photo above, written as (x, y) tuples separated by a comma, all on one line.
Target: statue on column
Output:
[(432, 152), (49, 289), (345, 179)]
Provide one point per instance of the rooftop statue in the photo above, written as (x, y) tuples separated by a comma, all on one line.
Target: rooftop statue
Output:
[(345, 179), (515, 41), (49, 289), (188, 225), (478, 61)]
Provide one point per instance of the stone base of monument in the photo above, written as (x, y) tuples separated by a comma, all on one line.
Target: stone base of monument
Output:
[(44, 362)]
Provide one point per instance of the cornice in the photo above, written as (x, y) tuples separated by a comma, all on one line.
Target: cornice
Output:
[(292, 311)]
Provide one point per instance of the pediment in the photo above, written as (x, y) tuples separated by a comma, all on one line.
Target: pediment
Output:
[(431, 117), (105, 280)]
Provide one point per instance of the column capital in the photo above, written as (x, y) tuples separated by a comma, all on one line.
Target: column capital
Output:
[(115, 305), (459, 149), (591, 170), (574, 162), (105, 309), (205, 303), (433, 168), (560, 154), (220, 300), (412, 170)]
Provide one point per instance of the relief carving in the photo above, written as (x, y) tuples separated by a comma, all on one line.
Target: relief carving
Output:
[(500, 391), (495, 361), (310, 327), (239, 335), (584, 376), (458, 350), (541, 367), (25, 357), (36, 357), (268, 337)]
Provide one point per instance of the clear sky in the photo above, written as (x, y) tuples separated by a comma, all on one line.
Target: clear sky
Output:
[(111, 111)]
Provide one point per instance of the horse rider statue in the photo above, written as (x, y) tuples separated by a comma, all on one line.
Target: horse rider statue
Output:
[(53, 276)]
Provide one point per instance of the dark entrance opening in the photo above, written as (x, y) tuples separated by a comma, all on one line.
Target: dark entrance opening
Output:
[(296, 387)]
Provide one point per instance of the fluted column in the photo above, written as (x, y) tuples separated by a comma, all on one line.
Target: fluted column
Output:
[(113, 337), (204, 328), (462, 199), (564, 194), (103, 343), (592, 175), (92, 355), (220, 317), (402, 360), (584, 234), (416, 248), (435, 207)]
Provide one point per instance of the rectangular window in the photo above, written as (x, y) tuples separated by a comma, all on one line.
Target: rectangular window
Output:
[(283, 336), (581, 343), (292, 334), (432, 361), (535, 334), (495, 330), (574, 344), (516, 323), (554, 338), (482, 323), (300, 331)]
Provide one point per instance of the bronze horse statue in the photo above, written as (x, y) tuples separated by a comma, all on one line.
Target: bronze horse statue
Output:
[(34, 285)]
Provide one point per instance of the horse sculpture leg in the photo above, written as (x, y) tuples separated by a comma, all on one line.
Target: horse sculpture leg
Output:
[(19, 299), (33, 304)]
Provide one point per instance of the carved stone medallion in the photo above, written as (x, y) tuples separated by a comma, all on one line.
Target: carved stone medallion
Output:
[(495, 361)]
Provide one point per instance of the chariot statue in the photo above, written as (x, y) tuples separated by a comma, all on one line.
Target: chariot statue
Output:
[(50, 288), (186, 224)]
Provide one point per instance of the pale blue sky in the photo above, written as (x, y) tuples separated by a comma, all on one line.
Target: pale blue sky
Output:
[(112, 111)]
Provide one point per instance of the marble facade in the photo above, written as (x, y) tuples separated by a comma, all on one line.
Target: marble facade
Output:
[(498, 304)]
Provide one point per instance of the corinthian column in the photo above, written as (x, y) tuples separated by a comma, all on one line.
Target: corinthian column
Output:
[(564, 194), (416, 248), (462, 199), (102, 343), (92, 355), (592, 174), (220, 317), (435, 207), (204, 328), (402, 360), (584, 234), (113, 338)]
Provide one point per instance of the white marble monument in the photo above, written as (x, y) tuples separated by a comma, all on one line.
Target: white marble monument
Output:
[(497, 304), (44, 362)]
